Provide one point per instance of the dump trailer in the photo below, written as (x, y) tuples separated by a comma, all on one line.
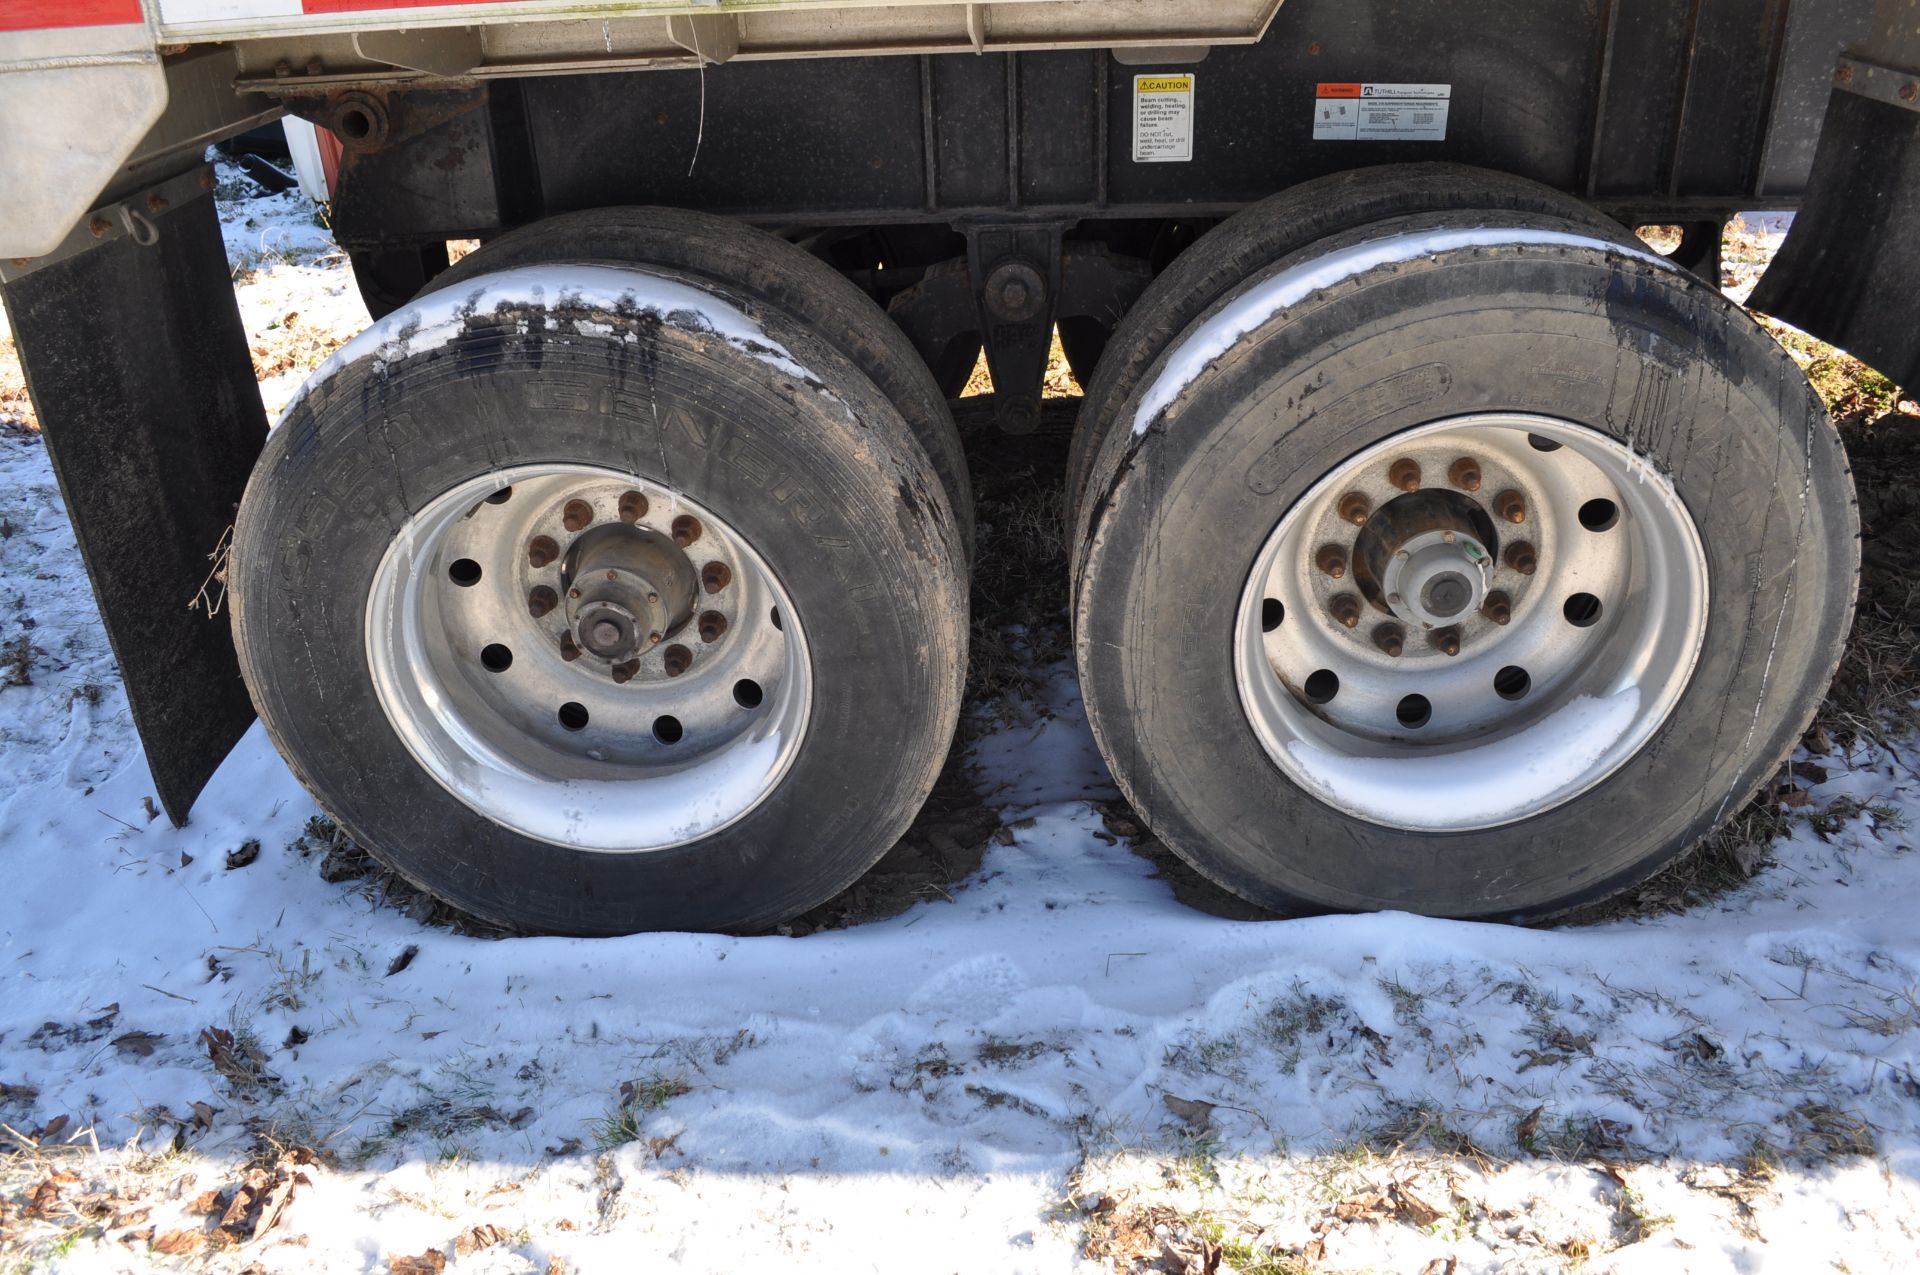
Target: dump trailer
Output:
[(1435, 543)]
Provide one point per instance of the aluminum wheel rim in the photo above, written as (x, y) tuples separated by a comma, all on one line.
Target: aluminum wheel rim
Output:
[(512, 644), (1599, 641)]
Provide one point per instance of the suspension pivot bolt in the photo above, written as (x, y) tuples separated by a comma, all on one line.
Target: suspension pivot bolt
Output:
[(541, 601), (1498, 607), (1465, 474), (1356, 508), (678, 659), (1511, 505), (1345, 607), (1390, 638), (1446, 641), (1405, 474), (542, 551), (1332, 559), (576, 515), (1520, 556)]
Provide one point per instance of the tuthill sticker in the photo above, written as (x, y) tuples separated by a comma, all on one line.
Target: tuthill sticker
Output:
[(1381, 112)]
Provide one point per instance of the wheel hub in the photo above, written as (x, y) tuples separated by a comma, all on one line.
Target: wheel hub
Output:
[(628, 589)]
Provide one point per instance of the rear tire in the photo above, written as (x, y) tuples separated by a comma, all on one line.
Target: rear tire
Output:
[(417, 654), (1305, 384)]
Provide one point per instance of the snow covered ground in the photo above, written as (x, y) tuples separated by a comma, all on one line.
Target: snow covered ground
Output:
[(213, 1058)]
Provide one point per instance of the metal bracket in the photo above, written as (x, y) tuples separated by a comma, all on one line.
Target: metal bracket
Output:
[(1015, 273), (442, 51), (713, 38), (129, 218), (1880, 83)]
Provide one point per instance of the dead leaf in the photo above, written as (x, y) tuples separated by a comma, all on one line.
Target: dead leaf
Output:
[(18, 1093), (1367, 1206), (186, 860), (53, 1129), (1203, 1258), (153, 811), (44, 1197), (1610, 1134), (1197, 1114), (296, 1037), (567, 1147), (1541, 1058), (431, 1262), (205, 1202), (1528, 1126), (403, 960), (139, 1044), (174, 1243), (475, 1238), (1793, 796), (1440, 1266), (243, 854), (1416, 1210), (275, 1203), (556, 1267)]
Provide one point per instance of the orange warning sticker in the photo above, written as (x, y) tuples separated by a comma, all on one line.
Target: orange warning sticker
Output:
[(1338, 90)]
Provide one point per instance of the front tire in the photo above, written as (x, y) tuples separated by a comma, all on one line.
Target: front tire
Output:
[(1228, 474)]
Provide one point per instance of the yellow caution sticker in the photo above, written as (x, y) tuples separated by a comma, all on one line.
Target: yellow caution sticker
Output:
[(1162, 119)]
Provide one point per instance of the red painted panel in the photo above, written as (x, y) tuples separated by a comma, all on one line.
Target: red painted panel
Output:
[(34, 15)]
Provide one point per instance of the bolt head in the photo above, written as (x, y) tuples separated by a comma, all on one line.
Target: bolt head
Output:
[(1910, 91)]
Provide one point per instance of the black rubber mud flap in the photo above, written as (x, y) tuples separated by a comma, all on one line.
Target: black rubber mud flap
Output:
[(139, 372), (1849, 271)]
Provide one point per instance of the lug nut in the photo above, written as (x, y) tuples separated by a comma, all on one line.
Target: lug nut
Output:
[(678, 659), (1520, 556), (1332, 559), (1356, 508), (633, 506), (623, 673), (686, 530), (712, 625), (1446, 641), (1405, 474), (542, 551), (1465, 474), (541, 601), (1498, 607), (1345, 607), (577, 515), (569, 649), (1511, 505), (715, 576), (1390, 638)]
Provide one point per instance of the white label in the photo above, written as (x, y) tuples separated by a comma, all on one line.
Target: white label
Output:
[(1381, 112), (1162, 119)]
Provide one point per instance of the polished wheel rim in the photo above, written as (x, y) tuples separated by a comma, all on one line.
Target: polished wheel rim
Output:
[(1471, 623), (588, 658)]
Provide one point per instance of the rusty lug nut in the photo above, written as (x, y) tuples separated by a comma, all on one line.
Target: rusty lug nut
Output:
[(678, 659), (715, 576), (1465, 474), (541, 601), (577, 515), (686, 530), (1520, 557), (1845, 73), (1498, 607), (99, 226), (542, 551), (1356, 508), (623, 673), (1345, 607), (712, 625), (1446, 641), (633, 506), (1405, 474), (1390, 638), (1511, 505), (569, 649), (1332, 559)]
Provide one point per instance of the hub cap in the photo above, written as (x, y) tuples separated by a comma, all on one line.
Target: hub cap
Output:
[(588, 658), (1471, 623)]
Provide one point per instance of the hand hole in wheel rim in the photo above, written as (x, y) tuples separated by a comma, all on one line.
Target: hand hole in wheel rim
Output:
[(1322, 685), (1599, 514), (496, 658), (1593, 696), (464, 572), (1413, 711), (1582, 610), (500, 497), (747, 693), (502, 744), (667, 729), (1272, 613)]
